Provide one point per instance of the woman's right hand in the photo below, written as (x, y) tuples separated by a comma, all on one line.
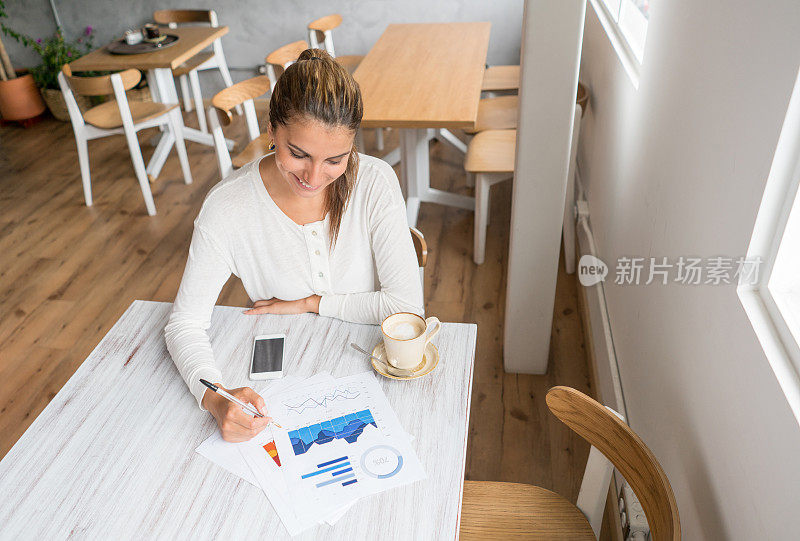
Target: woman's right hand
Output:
[(234, 423)]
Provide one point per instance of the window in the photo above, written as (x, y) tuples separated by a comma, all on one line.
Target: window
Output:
[(772, 302), (625, 22)]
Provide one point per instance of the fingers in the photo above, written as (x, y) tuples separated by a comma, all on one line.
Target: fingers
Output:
[(259, 305), (238, 420), (255, 399), (260, 310)]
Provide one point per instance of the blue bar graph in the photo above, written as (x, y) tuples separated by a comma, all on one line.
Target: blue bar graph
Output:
[(335, 480), (341, 471), (334, 461), (336, 467)]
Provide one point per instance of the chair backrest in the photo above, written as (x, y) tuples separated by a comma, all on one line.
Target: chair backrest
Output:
[(220, 113), (421, 248), (99, 85), (282, 58), (625, 449), (174, 17), (319, 32)]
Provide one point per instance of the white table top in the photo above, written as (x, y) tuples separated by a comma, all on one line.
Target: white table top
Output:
[(112, 455)]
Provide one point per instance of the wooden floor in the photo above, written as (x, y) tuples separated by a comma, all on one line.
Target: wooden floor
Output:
[(67, 272)]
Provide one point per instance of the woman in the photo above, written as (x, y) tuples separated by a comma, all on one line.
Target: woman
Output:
[(313, 227)]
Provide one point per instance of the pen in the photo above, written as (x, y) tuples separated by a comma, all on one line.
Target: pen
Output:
[(246, 407)]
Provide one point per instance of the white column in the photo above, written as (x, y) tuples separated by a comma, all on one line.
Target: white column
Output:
[(552, 34)]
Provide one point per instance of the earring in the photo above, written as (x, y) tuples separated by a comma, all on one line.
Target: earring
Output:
[(271, 146)]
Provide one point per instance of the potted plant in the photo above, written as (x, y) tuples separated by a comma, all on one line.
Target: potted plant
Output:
[(19, 98), (54, 51)]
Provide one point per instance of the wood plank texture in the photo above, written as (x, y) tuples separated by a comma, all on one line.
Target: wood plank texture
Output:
[(68, 272), (107, 454), (193, 39), (494, 510), (413, 77)]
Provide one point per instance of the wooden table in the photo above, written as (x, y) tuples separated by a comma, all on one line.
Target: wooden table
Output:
[(112, 455), (420, 77), (159, 65)]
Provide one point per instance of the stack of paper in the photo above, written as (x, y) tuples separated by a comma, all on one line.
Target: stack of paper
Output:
[(339, 441)]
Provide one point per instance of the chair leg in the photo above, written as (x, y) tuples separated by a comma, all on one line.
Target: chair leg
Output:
[(180, 145), (482, 186), (194, 80), (141, 173), (379, 138), (187, 97), (83, 161)]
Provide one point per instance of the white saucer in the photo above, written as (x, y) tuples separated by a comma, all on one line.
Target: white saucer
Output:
[(429, 361)]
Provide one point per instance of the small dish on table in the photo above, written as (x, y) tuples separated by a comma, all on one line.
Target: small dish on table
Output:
[(429, 361)]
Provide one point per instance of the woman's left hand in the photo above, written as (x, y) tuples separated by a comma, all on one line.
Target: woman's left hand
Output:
[(277, 306)]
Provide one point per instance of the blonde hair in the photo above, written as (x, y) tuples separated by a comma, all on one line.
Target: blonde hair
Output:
[(318, 87)]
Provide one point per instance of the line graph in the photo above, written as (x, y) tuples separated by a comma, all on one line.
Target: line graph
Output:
[(322, 402)]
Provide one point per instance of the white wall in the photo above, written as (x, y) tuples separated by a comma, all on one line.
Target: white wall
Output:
[(675, 168)]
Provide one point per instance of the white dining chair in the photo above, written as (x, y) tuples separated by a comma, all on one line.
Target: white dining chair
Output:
[(283, 57), (421, 249), (320, 36), (490, 159), (220, 113), (187, 73), (119, 116), (500, 79)]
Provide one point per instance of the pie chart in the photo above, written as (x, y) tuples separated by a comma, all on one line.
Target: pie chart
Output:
[(381, 461)]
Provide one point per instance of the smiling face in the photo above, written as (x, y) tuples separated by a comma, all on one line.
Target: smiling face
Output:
[(311, 155)]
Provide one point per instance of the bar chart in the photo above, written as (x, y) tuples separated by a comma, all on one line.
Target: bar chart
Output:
[(340, 471)]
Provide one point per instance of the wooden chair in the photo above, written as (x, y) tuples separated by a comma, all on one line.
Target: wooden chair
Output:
[(220, 113), (187, 72), (497, 78), (490, 159), (283, 57), (500, 113), (421, 248), (519, 511), (118, 117), (320, 36)]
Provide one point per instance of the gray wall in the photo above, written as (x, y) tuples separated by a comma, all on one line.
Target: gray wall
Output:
[(258, 27)]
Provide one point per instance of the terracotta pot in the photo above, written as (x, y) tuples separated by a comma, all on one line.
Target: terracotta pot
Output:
[(20, 99)]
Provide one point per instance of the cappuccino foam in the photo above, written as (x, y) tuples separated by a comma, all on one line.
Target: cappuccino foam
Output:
[(404, 331)]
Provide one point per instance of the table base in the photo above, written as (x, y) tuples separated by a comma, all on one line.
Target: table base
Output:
[(162, 89), (415, 173)]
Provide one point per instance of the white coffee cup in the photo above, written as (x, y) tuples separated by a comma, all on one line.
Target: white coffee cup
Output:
[(405, 336)]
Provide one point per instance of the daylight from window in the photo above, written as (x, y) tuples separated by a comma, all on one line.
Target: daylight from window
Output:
[(631, 17)]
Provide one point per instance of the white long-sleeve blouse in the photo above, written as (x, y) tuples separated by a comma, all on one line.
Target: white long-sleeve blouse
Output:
[(371, 272)]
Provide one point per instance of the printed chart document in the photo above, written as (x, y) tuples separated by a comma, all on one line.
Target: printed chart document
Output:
[(226, 455), (229, 456), (340, 441)]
